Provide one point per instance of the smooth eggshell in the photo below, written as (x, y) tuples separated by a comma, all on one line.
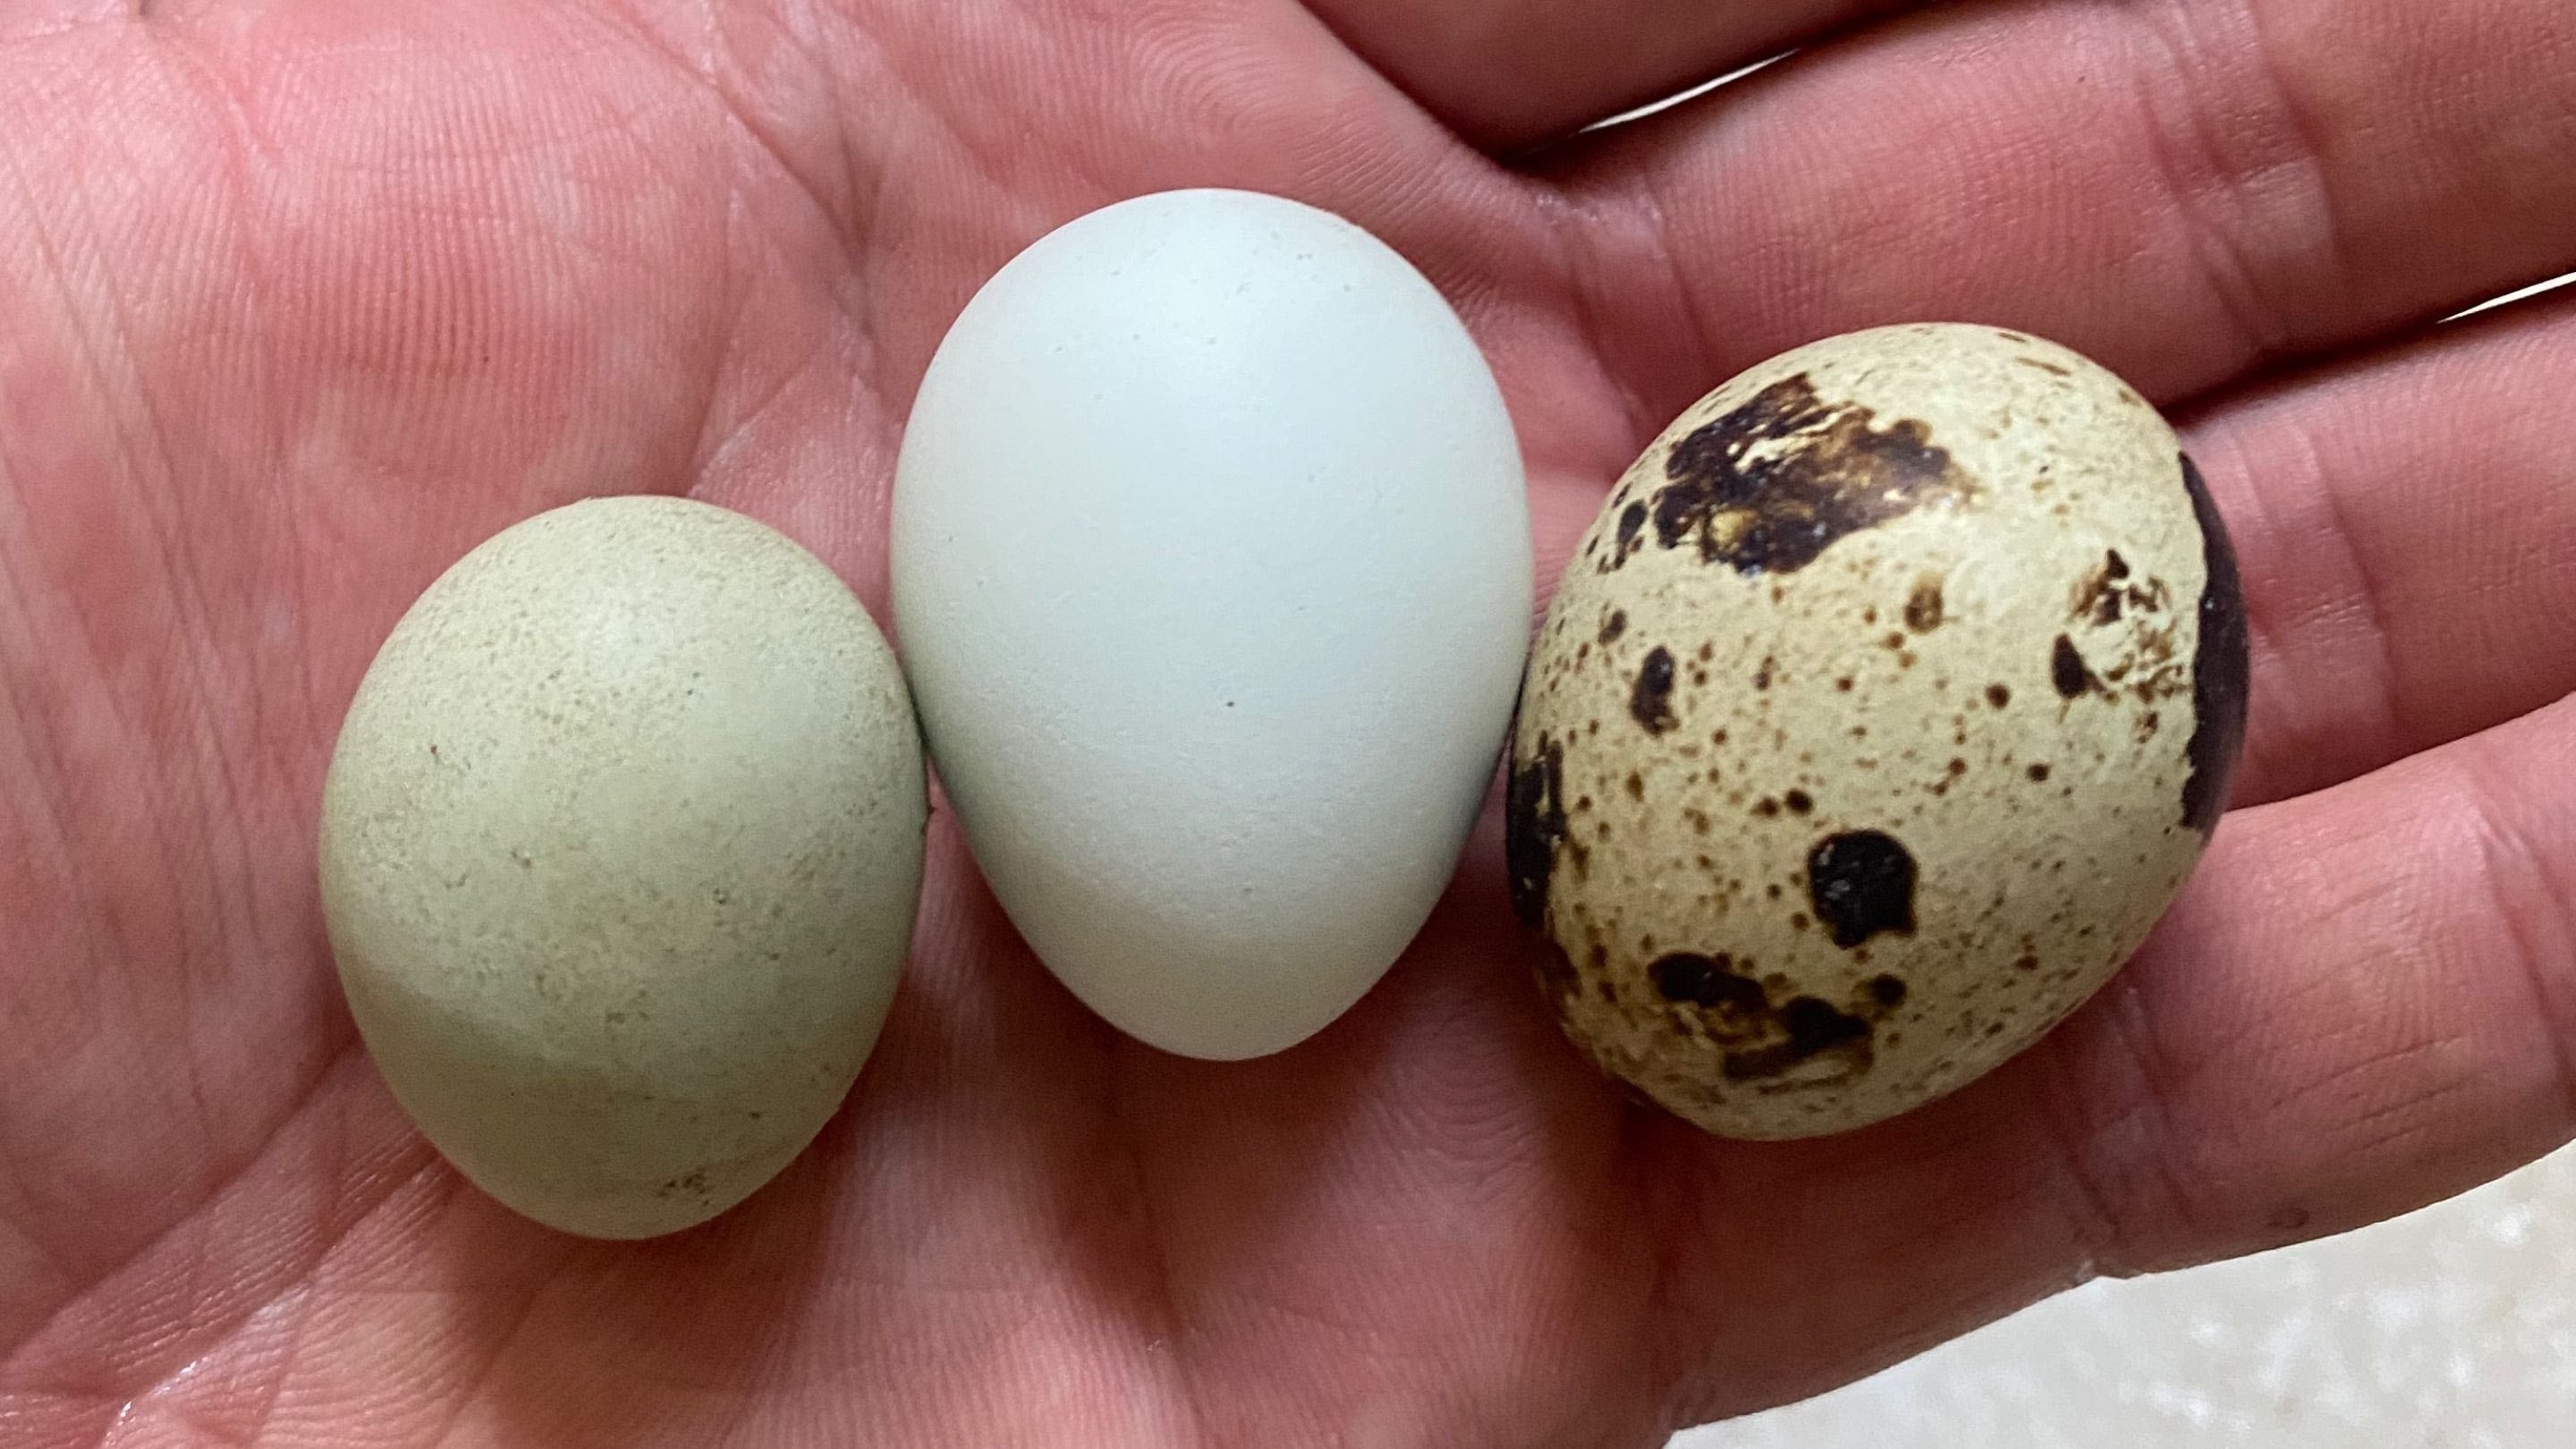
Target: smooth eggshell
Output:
[(1881, 712), (1211, 568), (621, 845)]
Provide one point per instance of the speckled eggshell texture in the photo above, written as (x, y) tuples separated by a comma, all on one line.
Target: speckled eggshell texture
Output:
[(621, 846), (1881, 712)]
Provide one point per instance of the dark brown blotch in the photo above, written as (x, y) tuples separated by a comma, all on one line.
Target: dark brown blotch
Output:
[(1630, 536), (1862, 884), (1614, 626), (1650, 702), (1534, 826), (1691, 979), (1923, 605), (2221, 670), (2066, 669), (1762, 1041), (1810, 1027), (2105, 593), (1998, 696), (1770, 486)]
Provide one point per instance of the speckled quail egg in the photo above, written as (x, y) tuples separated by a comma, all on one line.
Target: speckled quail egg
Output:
[(1882, 711), (620, 850)]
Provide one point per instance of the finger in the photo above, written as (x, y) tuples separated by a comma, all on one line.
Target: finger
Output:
[(2179, 188), (2405, 535), (1507, 73), (28, 20), (2365, 1002)]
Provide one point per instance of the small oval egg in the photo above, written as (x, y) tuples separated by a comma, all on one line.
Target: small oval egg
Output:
[(621, 845), (1211, 567), (1884, 708)]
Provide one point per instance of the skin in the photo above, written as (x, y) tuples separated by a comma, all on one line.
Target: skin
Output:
[(299, 300)]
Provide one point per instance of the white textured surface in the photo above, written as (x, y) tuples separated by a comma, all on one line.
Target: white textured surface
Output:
[(2453, 1328)]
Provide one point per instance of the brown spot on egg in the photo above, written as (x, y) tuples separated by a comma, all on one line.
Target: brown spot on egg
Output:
[(1614, 626), (1862, 884), (1534, 825), (1923, 605), (1798, 801), (2066, 669), (1691, 979), (1809, 1027), (2038, 773), (1650, 701), (1998, 696), (1631, 536), (1768, 487), (1762, 676), (2220, 669), (1636, 784), (2106, 593), (1762, 1041)]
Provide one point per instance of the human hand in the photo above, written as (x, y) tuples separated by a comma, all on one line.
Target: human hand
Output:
[(299, 300)]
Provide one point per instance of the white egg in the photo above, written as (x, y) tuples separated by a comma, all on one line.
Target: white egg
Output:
[(1212, 574)]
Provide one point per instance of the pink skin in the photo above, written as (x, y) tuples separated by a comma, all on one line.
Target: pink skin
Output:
[(299, 299)]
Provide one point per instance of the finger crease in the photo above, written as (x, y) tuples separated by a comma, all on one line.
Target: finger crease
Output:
[(2366, 590), (2231, 203), (2535, 907)]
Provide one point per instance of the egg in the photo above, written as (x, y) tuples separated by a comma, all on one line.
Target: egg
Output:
[(620, 849), (1881, 712), (1212, 573)]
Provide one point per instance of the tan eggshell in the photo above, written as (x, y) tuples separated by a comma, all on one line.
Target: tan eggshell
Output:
[(620, 850), (1880, 714)]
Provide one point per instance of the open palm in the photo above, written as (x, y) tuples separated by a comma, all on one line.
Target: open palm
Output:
[(300, 299)]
